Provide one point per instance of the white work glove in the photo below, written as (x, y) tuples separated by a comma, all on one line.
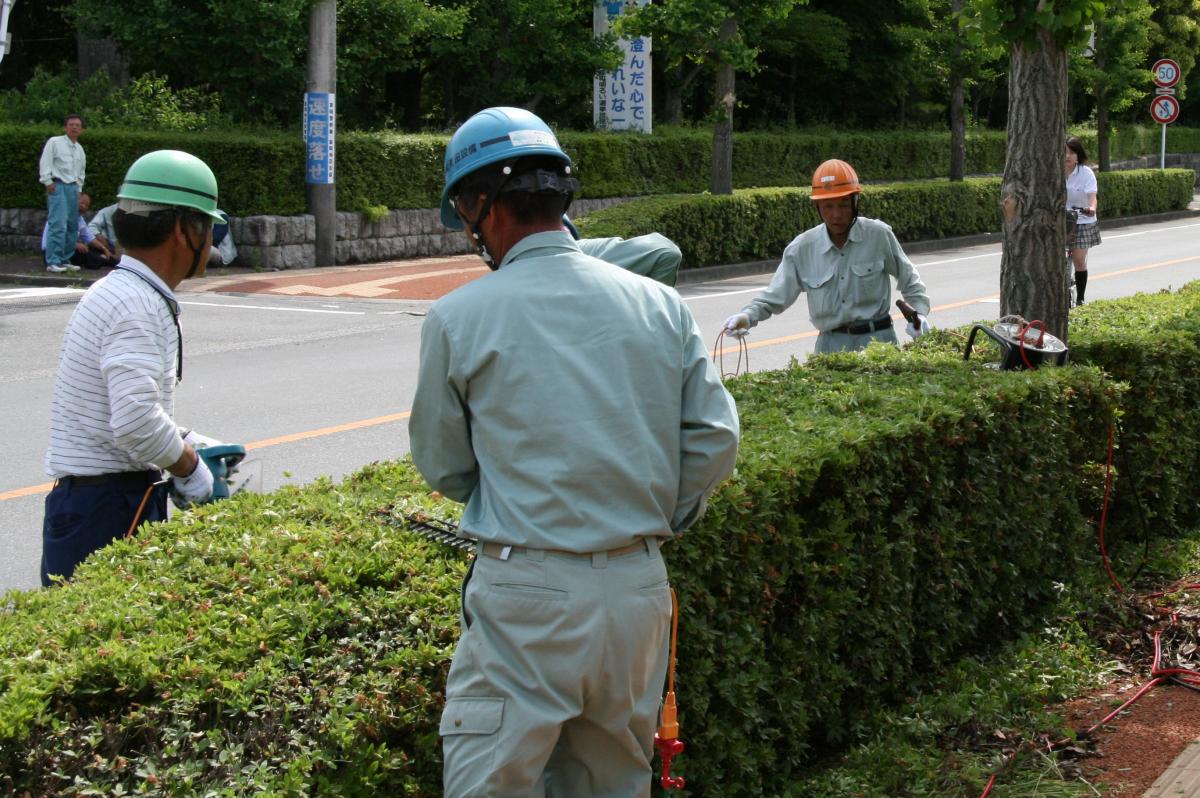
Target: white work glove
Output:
[(916, 332), (198, 441), (738, 324), (196, 487)]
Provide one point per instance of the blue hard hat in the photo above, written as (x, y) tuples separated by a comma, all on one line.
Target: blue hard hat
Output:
[(492, 135)]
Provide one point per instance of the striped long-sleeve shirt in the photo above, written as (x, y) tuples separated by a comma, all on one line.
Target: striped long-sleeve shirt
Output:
[(114, 395)]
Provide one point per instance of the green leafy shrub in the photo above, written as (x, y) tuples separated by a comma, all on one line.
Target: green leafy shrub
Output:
[(148, 103), (756, 224), (405, 171), (892, 511)]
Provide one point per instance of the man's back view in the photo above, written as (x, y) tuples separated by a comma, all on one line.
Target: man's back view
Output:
[(573, 407)]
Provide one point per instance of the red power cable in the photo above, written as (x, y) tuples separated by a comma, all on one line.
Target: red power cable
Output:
[(1158, 673)]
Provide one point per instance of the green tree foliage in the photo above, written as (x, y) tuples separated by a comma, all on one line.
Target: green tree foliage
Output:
[(383, 48), (726, 35), (1175, 33), (148, 102), (253, 52), (538, 54), (425, 65), (1114, 69)]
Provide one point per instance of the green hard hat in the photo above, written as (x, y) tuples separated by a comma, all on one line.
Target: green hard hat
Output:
[(172, 178)]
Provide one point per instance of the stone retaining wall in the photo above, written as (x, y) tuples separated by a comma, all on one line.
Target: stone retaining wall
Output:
[(1186, 160), (289, 242)]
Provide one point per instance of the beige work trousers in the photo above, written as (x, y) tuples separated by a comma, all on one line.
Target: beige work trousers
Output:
[(556, 684)]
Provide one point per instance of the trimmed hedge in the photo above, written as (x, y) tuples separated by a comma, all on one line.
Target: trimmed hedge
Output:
[(756, 224), (262, 174), (1151, 343), (890, 511)]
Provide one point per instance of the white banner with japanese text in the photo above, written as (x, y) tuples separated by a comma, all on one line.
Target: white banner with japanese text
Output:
[(621, 98)]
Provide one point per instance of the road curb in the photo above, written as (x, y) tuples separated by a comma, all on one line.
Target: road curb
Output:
[(47, 280)]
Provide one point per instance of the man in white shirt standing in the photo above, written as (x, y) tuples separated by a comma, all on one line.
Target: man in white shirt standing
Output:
[(111, 425), (62, 170)]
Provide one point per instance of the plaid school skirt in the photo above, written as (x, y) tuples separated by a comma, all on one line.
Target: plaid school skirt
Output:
[(1086, 236)]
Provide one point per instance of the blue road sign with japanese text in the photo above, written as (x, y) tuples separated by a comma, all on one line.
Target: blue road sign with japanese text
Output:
[(319, 124)]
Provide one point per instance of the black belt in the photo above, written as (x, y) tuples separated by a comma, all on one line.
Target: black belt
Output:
[(126, 480), (864, 327)]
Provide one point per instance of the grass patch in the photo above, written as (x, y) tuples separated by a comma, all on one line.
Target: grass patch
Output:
[(957, 730)]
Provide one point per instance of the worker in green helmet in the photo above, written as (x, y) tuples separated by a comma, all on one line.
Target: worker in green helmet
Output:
[(112, 431), (571, 405)]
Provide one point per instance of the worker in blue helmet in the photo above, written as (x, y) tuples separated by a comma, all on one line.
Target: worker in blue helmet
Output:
[(573, 408), (475, 146)]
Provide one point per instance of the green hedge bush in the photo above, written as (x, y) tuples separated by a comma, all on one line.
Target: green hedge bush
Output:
[(891, 510), (756, 224), (264, 173)]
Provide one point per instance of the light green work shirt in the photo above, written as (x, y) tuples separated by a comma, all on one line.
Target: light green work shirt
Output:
[(652, 255), (62, 159), (844, 286), (569, 403), (101, 224)]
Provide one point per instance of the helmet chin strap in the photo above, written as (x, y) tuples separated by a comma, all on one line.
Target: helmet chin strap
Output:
[(480, 245), (473, 225), (195, 250)]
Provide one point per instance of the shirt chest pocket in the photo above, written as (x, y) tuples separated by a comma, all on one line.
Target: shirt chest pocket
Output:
[(817, 279), (868, 282)]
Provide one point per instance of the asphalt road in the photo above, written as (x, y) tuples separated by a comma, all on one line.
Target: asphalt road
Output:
[(320, 387)]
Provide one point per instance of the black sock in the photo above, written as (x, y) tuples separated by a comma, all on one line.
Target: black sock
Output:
[(1080, 285)]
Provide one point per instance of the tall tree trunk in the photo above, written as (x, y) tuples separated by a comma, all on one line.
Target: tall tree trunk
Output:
[(958, 117), (723, 131), (1033, 194)]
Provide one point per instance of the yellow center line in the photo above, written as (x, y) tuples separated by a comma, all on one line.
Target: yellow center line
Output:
[(34, 490), (323, 431)]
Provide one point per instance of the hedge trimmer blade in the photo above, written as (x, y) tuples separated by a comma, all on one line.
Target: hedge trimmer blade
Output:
[(432, 529)]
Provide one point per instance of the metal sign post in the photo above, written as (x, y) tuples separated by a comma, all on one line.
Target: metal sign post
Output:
[(1165, 108)]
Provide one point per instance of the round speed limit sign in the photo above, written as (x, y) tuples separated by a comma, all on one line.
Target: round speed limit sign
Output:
[(1165, 110), (1166, 73)]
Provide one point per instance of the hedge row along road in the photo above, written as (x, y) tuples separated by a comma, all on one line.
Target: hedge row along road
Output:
[(323, 386)]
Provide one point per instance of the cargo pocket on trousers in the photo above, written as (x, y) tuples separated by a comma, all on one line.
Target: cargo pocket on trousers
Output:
[(468, 731), (472, 716)]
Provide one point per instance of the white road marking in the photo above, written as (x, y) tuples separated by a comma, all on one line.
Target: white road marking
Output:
[(33, 292), (269, 307)]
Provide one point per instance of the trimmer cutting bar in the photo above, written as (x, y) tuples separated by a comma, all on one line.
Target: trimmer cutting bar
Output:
[(432, 529)]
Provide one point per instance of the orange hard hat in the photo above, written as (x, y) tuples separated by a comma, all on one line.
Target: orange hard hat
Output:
[(834, 179)]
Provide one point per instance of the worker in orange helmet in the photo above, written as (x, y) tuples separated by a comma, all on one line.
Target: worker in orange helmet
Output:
[(845, 266)]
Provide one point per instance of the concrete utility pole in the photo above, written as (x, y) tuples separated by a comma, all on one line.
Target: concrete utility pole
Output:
[(322, 80), (5, 36)]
